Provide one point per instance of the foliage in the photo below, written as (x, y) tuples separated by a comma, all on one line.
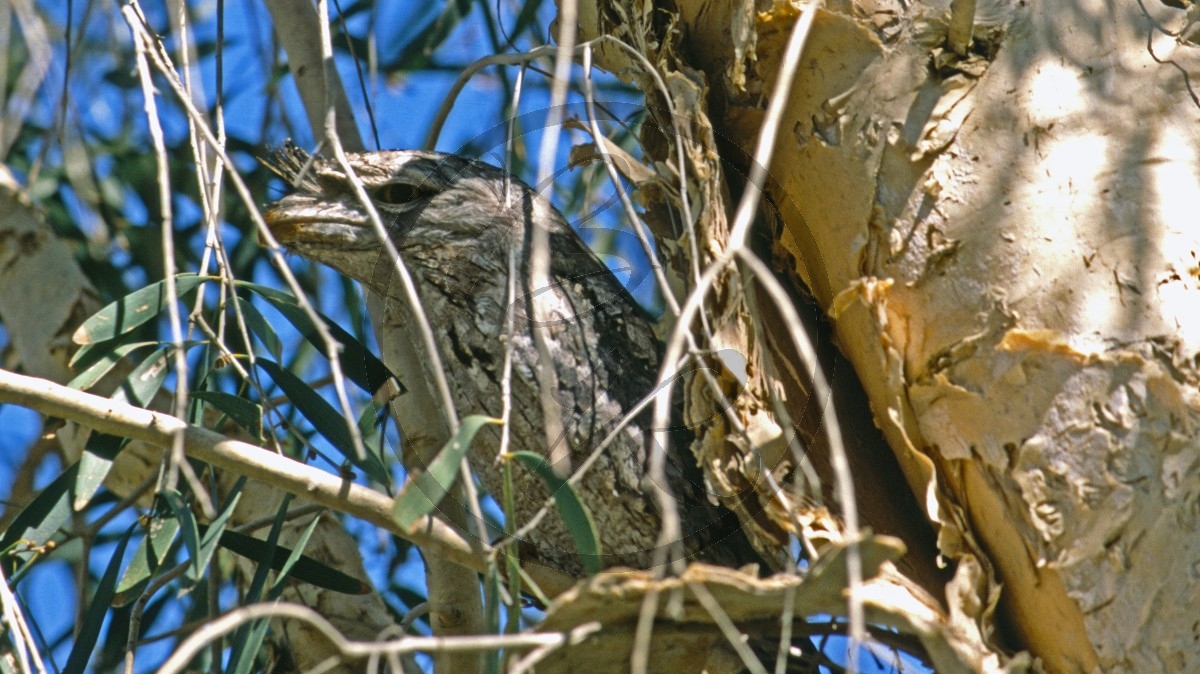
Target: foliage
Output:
[(84, 149)]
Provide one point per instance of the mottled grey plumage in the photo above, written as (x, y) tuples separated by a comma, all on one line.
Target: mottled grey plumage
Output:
[(447, 216)]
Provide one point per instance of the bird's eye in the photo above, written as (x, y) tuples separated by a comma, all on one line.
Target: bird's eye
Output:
[(397, 194)]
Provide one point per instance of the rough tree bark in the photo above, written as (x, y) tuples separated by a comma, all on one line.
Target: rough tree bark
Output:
[(1006, 241)]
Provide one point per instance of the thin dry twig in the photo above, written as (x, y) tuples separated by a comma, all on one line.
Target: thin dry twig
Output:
[(725, 624), (162, 64), (175, 458), (539, 253), (837, 448), (435, 129), (354, 650), (635, 223), (736, 249), (157, 583), (23, 643)]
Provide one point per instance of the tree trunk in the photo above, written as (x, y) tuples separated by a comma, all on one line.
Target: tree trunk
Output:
[(1007, 243)]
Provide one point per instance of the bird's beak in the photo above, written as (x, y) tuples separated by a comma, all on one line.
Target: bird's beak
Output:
[(301, 219), (281, 222)]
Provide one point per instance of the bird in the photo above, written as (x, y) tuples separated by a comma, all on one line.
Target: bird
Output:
[(455, 222)]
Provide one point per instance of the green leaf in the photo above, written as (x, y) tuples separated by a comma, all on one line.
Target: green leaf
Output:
[(302, 567), (245, 413), (373, 438), (425, 490), (358, 363), (574, 513), (248, 638), (292, 559), (133, 310), (41, 519), (108, 354), (260, 327), (210, 535), (93, 619), (145, 380), (324, 418), (162, 532), (94, 464), (187, 526)]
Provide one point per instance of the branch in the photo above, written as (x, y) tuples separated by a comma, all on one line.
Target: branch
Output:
[(156, 428), (192, 646)]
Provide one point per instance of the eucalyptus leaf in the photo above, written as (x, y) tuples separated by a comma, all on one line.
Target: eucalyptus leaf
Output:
[(287, 560), (97, 609), (324, 418), (41, 518), (107, 355), (358, 363), (94, 466), (134, 309), (575, 514), (146, 379), (162, 532), (260, 327), (243, 412), (211, 535), (422, 493), (188, 527), (249, 637)]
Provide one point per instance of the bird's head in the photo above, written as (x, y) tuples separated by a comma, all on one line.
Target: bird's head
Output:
[(428, 203)]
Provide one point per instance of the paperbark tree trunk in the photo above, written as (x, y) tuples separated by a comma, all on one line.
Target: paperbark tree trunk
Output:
[(1007, 242)]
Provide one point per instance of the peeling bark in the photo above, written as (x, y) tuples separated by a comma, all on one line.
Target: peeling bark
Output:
[(1008, 247)]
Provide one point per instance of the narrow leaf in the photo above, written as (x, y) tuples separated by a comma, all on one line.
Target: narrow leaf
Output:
[(187, 526), (304, 568), (294, 555), (324, 418), (93, 619), (358, 363), (94, 465), (248, 638), (38, 521), (574, 513), (145, 380), (210, 536), (374, 442), (108, 355), (260, 327), (425, 490), (148, 558), (243, 412), (133, 310)]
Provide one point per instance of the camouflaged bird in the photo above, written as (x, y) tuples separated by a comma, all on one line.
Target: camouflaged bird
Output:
[(454, 221)]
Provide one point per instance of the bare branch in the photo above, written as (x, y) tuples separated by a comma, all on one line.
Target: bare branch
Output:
[(155, 428), (356, 650)]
